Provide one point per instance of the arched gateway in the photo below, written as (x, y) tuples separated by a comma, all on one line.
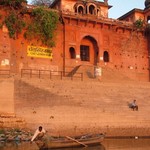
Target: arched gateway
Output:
[(89, 50)]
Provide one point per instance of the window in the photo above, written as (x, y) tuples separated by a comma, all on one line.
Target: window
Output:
[(80, 10), (106, 56), (72, 53), (92, 10), (84, 53)]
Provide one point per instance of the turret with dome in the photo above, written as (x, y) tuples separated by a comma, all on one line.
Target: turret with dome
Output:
[(82, 7), (147, 4)]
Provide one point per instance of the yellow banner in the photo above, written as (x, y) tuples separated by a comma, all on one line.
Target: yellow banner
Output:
[(40, 52)]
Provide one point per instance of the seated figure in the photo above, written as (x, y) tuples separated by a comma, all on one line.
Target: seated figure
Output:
[(133, 105)]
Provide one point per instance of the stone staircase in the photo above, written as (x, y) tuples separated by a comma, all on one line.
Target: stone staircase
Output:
[(90, 105), (89, 73), (11, 121)]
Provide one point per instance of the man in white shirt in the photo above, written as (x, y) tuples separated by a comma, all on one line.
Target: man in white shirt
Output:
[(39, 133)]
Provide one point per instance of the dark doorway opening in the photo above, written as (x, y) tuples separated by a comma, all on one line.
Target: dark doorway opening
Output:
[(72, 53), (106, 56), (84, 53)]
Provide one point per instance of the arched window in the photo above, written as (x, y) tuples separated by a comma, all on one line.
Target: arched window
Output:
[(106, 56), (72, 53), (80, 10), (91, 10)]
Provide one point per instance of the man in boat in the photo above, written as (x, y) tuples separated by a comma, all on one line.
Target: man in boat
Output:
[(39, 133)]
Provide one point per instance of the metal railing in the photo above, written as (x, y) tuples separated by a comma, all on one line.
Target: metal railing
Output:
[(50, 74)]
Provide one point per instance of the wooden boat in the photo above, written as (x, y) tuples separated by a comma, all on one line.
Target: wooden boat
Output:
[(68, 142)]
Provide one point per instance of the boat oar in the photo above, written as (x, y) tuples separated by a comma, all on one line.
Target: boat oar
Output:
[(68, 137)]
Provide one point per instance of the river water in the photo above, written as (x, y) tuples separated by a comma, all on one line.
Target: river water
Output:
[(107, 144)]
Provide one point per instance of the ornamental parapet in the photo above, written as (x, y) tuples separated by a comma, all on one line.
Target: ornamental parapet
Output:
[(97, 19)]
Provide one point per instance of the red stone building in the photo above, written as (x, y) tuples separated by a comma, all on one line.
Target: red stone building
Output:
[(87, 39)]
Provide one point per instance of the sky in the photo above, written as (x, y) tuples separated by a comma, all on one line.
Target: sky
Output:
[(120, 7)]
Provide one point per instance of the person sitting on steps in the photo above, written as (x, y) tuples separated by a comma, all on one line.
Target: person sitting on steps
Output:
[(133, 105)]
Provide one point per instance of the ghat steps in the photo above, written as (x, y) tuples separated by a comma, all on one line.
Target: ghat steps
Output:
[(11, 121), (87, 105)]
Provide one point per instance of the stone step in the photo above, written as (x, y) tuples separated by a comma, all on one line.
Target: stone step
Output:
[(99, 102), (11, 121)]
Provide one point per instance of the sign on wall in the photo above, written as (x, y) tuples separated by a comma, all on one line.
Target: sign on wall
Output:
[(40, 52), (98, 71), (5, 62)]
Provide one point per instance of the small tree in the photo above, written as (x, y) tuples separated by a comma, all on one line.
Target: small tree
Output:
[(139, 23), (15, 24), (16, 4), (43, 26)]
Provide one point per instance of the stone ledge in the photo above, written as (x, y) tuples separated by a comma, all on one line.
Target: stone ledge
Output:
[(7, 115)]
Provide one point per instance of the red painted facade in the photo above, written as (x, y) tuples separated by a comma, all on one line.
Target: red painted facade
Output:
[(86, 37)]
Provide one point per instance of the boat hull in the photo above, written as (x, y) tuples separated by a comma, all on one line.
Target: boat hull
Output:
[(56, 143)]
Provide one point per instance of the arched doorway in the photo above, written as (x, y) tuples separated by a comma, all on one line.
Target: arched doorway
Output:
[(89, 50)]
